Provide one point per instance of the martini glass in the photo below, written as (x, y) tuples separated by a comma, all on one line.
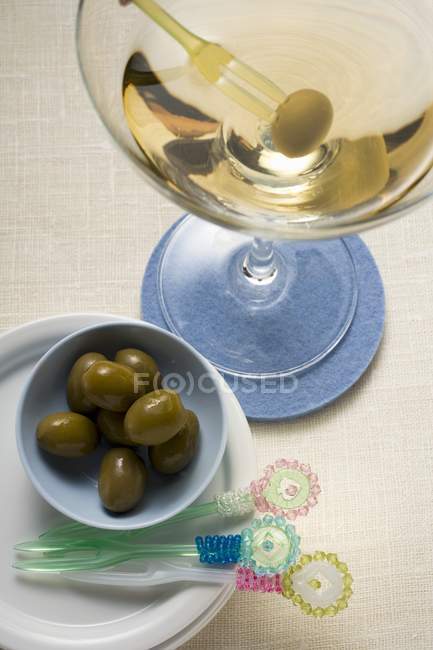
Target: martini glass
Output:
[(260, 275)]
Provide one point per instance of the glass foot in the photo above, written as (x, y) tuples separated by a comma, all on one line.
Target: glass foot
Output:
[(277, 325)]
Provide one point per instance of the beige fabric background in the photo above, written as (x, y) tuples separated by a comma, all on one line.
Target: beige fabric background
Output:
[(77, 225)]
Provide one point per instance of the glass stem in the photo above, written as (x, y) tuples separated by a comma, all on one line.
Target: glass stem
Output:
[(259, 264)]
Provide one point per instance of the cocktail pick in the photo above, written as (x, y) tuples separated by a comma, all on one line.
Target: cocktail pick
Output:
[(270, 545), (300, 122), (319, 584), (287, 488)]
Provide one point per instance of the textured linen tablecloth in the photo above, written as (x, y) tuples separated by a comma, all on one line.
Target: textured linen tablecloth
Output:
[(77, 225)]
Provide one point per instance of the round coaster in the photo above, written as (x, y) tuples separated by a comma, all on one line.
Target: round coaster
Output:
[(274, 399)]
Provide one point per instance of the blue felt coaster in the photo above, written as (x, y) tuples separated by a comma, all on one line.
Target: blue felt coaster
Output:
[(282, 399)]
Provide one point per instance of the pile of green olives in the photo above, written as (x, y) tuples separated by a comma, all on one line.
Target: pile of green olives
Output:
[(122, 401)]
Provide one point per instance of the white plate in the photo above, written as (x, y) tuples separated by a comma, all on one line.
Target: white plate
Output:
[(39, 613)]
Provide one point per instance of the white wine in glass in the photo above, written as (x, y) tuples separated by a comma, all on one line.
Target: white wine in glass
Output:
[(266, 310)]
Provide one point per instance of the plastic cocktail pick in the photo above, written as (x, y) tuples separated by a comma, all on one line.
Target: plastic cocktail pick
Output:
[(287, 488), (319, 584), (269, 546)]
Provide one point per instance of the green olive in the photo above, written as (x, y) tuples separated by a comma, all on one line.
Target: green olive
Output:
[(67, 434), (175, 454), (122, 479), (142, 364), (76, 398), (302, 123), (110, 386), (111, 425), (155, 418)]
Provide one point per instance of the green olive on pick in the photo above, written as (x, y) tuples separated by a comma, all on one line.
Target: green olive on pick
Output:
[(77, 401), (111, 425), (144, 365), (110, 386), (155, 418), (302, 122), (175, 454), (67, 434), (122, 480)]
